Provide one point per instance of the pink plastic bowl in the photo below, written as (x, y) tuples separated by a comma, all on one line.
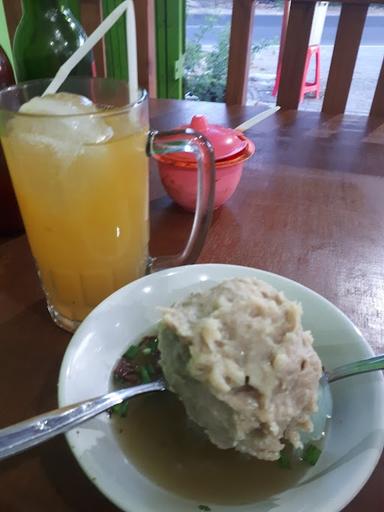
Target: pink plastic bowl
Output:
[(178, 171), (180, 178)]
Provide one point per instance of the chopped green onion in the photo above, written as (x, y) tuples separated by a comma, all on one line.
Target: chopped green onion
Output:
[(311, 454), (153, 345), (132, 352), (150, 369), (284, 461), (145, 378), (120, 409), (118, 379), (147, 351), (205, 508)]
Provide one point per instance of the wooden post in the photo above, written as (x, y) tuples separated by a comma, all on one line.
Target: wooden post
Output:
[(347, 42), (283, 37), (12, 10), (377, 108), (91, 14), (146, 45), (243, 14), (295, 52), (5, 40), (170, 35)]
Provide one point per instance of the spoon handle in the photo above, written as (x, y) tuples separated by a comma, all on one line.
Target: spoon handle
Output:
[(24, 435), (366, 365)]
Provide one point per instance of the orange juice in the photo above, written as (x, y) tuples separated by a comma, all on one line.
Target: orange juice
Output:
[(85, 208)]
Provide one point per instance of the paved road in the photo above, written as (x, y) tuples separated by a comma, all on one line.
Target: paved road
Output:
[(267, 28)]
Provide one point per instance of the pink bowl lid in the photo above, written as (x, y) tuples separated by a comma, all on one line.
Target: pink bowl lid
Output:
[(226, 142)]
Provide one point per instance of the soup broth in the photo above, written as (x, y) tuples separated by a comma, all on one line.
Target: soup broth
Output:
[(173, 452)]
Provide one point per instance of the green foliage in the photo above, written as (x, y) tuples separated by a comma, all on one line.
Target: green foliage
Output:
[(264, 43), (205, 72)]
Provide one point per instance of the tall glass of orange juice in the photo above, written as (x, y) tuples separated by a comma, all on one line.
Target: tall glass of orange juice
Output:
[(78, 162)]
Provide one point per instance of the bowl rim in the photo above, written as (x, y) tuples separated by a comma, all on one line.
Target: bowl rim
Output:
[(342, 500), (245, 154)]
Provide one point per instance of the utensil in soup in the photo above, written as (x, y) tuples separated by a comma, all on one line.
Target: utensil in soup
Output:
[(29, 433)]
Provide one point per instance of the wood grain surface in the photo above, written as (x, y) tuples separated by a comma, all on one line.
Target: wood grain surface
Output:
[(309, 206)]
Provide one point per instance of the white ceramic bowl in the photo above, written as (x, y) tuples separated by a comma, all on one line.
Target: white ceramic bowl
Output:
[(356, 435)]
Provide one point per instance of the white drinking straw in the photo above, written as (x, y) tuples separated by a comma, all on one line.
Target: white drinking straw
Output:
[(100, 31), (132, 52), (257, 119)]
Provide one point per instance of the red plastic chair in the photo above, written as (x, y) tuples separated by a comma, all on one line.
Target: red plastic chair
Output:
[(315, 85), (306, 87)]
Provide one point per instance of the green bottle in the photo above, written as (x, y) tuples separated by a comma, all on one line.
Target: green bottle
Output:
[(47, 35)]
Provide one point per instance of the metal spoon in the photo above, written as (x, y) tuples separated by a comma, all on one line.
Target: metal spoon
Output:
[(24, 435), (37, 430)]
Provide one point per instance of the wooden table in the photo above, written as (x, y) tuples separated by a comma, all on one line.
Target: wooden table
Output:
[(310, 206)]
